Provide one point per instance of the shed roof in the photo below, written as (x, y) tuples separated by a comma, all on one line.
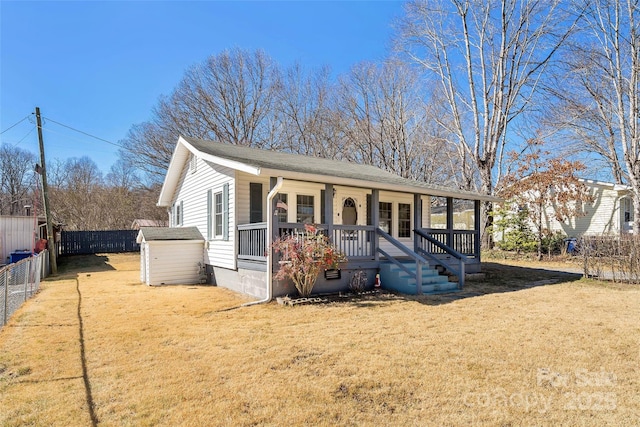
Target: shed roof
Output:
[(168, 233), (142, 222)]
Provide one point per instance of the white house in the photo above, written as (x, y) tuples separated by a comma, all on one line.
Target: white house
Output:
[(611, 212), (241, 198)]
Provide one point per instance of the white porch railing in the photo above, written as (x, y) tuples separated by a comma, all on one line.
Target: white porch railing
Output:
[(252, 241), (355, 241)]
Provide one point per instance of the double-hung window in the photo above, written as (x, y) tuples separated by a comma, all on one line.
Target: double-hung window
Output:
[(282, 207), (404, 220), (178, 213), (304, 209), (386, 214), (218, 213)]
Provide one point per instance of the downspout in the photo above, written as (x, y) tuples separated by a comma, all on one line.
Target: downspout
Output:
[(270, 197)]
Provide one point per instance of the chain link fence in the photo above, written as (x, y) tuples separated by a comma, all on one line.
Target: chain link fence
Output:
[(20, 281)]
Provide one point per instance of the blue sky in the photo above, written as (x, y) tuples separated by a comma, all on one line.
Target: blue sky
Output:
[(100, 66)]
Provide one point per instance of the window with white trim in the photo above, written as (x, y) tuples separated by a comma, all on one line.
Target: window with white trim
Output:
[(386, 213), (177, 210), (628, 209), (404, 220), (218, 212), (304, 209), (282, 207)]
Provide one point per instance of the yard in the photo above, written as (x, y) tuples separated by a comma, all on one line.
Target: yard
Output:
[(520, 347)]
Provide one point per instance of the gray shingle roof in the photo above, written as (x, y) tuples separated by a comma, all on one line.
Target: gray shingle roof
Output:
[(170, 233), (289, 162)]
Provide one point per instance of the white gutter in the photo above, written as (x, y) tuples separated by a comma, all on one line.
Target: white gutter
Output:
[(270, 197)]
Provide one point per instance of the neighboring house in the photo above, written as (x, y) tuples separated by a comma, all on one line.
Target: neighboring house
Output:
[(611, 212), (139, 223), (242, 198), (19, 233)]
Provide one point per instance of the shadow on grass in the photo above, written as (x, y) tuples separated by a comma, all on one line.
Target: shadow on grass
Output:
[(496, 278), (500, 278), (71, 265)]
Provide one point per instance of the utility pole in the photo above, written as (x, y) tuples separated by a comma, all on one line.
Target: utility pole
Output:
[(45, 192)]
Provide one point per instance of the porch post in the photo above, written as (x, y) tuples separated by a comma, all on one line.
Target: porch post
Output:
[(375, 221), (417, 220), (450, 222), (275, 228), (476, 216), (328, 209)]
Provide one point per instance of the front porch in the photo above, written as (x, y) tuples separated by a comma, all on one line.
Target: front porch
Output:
[(362, 242), (416, 233), (363, 247)]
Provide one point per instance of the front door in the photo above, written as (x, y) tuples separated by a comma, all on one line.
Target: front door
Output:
[(349, 212)]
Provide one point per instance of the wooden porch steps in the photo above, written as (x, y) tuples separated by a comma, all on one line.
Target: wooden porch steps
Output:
[(394, 278)]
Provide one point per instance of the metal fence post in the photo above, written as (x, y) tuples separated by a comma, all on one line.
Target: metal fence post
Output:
[(6, 296), (26, 278)]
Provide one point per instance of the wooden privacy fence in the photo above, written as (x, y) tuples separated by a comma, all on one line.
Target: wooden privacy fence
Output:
[(94, 242)]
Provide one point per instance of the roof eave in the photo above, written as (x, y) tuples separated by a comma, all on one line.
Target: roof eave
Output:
[(179, 159), (329, 179)]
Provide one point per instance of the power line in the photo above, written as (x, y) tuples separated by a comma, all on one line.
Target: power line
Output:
[(15, 124), (68, 137), (84, 133), (25, 137)]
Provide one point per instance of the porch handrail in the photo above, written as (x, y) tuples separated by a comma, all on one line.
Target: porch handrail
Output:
[(452, 242), (411, 254), (462, 259), (252, 226)]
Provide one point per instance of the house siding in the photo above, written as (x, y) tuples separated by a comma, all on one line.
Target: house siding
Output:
[(603, 216), (192, 191)]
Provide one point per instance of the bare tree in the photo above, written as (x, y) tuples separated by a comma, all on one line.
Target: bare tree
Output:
[(75, 197), (122, 175), (227, 98), (148, 146), (305, 113), (488, 58), (376, 115), (387, 123), (602, 109), (16, 179)]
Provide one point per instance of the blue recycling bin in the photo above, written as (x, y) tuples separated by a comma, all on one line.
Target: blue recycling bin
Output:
[(571, 245), (19, 255)]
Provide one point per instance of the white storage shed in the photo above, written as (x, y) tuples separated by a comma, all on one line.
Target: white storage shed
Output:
[(171, 256)]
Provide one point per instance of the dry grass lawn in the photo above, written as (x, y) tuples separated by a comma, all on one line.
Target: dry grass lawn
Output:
[(97, 347)]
